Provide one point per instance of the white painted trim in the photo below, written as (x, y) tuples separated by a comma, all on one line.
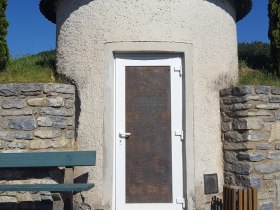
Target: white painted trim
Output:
[(175, 62), (108, 160)]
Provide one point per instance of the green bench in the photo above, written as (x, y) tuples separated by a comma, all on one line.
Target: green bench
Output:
[(68, 159)]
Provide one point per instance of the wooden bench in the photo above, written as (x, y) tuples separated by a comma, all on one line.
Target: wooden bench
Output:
[(68, 159)]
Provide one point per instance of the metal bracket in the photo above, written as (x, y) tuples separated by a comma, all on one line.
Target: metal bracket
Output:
[(180, 133), (124, 134), (179, 70), (181, 201)]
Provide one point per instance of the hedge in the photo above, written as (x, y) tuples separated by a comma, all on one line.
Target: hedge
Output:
[(256, 55)]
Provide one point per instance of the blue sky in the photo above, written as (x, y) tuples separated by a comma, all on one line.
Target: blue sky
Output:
[(254, 27), (30, 32)]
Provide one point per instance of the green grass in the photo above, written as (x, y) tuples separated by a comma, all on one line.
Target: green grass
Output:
[(257, 77), (40, 68), (31, 69)]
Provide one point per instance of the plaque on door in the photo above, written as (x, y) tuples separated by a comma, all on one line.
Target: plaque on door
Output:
[(148, 148)]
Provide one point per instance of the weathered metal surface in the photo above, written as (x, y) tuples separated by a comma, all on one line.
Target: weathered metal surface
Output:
[(148, 149)]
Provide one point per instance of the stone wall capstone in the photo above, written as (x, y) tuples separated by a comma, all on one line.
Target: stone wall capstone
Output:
[(34, 117), (251, 140)]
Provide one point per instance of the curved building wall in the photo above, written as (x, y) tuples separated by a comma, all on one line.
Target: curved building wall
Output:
[(84, 30)]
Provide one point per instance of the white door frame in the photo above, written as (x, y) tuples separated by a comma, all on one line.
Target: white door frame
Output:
[(175, 62)]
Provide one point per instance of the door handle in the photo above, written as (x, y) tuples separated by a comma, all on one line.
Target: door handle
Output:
[(124, 134)]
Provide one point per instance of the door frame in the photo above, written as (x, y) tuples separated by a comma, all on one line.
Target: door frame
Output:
[(176, 91), (185, 49)]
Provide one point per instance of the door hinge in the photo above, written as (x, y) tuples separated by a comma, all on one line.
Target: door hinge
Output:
[(180, 133), (181, 201), (176, 69)]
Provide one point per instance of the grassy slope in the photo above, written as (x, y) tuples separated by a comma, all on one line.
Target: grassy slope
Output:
[(41, 68), (249, 76), (31, 68)]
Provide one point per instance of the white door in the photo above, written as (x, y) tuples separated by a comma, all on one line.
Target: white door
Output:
[(149, 135)]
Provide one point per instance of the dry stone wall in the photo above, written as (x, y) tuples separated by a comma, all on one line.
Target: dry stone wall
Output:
[(251, 136), (37, 116), (34, 117)]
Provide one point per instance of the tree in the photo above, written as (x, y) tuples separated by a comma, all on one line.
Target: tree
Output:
[(4, 51), (274, 34)]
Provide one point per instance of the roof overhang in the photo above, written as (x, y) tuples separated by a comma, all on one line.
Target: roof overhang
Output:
[(242, 7), (48, 8)]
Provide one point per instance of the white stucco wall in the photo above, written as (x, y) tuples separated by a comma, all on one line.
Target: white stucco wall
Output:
[(84, 28)]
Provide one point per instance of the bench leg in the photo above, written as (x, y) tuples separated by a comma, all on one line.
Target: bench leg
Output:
[(58, 203), (68, 196)]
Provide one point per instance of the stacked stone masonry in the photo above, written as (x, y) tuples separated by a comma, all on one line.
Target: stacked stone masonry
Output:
[(251, 138), (34, 117)]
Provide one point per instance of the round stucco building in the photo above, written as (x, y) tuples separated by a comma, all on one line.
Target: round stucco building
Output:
[(95, 39)]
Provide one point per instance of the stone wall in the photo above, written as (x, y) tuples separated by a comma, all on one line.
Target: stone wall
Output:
[(34, 117), (37, 116), (251, 136)]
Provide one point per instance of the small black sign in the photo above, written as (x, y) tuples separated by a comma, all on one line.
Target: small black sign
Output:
[(210, 184)]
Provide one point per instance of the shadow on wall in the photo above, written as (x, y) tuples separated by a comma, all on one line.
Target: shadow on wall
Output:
[(77, 102), (226, 6), (37, 205), (71, 6), (14, 174)]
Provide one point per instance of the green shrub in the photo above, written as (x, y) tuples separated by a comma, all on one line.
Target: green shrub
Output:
[(4, 51), (274, 34), (256, 55), (47, 59)]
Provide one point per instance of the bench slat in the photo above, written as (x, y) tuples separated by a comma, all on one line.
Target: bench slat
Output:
[(47, 159), (47, 187)]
